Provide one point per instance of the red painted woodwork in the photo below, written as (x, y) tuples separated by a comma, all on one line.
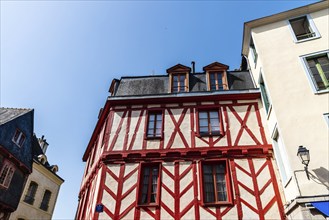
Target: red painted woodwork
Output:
[(193, 150)]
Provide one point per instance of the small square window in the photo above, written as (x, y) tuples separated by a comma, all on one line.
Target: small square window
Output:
[(154, 125), (216, 184), (19, 138), (149, 185), (303, 28), (209, 123), (6, 173)]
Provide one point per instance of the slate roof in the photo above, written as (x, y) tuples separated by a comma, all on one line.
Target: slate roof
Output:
[(8, 114), (159, 84)]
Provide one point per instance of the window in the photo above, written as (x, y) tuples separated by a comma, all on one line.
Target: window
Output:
[(29, 197), (253, 50), (281, 157), (19, 138), (45, 200), (216, 81), (6, 173), (326, 117), (263, 91), (303, 28), (318, 69), (209, 123), (154, 125), (216, 186), (179, 82), (149, 187)]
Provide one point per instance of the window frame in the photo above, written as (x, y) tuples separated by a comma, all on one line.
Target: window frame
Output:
[(309, 73), (326, 118), (281, 157), (30, 199), (227, 175), (311, 24), (154, 112), (179, 74), (19, 138), (219, 87), (43, 203), (220, 121), (9, 175), (253, 50), (142, 167), (265, 94)]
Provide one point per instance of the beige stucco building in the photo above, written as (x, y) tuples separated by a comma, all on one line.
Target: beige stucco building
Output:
[(287, 55), (42, 187)]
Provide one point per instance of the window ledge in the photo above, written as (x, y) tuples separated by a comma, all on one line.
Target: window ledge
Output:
[(287, 182), (153, 138), (322, 91), (307, 39), (217, 204)]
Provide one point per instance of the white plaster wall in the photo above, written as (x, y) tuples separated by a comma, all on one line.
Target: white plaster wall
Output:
[(296, 109)]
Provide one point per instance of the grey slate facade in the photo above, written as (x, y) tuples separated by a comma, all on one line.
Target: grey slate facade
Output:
[(19, 156), (158, 84)]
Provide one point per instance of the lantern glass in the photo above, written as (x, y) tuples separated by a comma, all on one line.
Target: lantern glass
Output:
[(304, 155)]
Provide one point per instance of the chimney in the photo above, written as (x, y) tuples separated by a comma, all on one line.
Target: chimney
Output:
[(193, 67)]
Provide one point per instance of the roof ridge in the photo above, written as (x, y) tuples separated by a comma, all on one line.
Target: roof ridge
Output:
[(12, 108)]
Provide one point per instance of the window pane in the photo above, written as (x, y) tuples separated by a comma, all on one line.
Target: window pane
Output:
[(301, 28), (203, 115), (214, 114), (319, 70)]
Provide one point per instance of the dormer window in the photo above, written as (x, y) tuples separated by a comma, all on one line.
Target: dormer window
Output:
[(179, 82), (216, 76), (216, 81), (19, 138), (178, 78)]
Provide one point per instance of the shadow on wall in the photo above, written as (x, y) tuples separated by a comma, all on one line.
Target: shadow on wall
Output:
[(322, 176)]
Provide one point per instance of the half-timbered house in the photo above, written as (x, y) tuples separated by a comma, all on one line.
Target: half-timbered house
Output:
[(183, 145)]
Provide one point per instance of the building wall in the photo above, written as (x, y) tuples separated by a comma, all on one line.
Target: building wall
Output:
[(296, 111), (121, 148), (46, 180)]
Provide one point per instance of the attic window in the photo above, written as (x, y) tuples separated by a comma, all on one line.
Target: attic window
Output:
[(19, 138), (216, 81), (179, 82), (179, 78), (216, 76)]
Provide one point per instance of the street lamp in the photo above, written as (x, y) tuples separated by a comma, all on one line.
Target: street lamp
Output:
[(304, 156)]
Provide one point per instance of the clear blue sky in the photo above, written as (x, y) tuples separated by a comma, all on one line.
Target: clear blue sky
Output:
[(59, 58)]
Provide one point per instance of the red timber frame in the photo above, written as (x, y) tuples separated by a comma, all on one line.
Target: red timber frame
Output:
[(232, 153)]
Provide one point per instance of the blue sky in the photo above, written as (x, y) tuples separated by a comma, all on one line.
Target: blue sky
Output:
[(59, 58)]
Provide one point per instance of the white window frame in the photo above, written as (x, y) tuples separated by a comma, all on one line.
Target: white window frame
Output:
[(326, 117), (9, 175), (261, 78), (20, 136), (253, 54), (281, 157), (307, 71), (311, 23)]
